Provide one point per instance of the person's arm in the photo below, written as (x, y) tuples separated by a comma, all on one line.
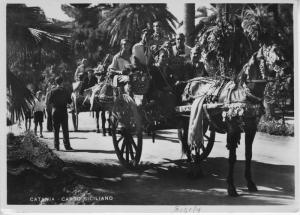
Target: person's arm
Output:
[(69, 99), (77, 72)]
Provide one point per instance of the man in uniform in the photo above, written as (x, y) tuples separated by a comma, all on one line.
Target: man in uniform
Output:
[(59, 98), (158, 38)]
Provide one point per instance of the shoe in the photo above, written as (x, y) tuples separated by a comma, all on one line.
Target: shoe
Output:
[(69, 148), (41, 136)]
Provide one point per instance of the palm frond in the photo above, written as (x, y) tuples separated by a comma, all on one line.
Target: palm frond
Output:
[(19, 98), (127, 20)]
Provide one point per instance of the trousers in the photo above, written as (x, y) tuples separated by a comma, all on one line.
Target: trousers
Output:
[(60, 118)]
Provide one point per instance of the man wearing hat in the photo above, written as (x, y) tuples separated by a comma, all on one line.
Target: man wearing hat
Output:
[(59, 98)]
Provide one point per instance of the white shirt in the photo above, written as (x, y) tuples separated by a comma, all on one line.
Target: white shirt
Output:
[(39, 106), (118, 63), (138, 51)]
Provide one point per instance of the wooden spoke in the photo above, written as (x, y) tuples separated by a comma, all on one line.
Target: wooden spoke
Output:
[(202, 147), (131, 152), (127, 152), (123, 146), (133, 143), (121, 138)]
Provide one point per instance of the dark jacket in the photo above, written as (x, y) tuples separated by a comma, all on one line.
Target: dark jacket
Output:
[(59, 97), (87, 83)]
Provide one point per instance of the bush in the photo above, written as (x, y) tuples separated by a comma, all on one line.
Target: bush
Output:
[(275, 127)]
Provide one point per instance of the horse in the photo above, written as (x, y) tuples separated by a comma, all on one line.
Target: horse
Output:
[(247, 91), (101, 100)]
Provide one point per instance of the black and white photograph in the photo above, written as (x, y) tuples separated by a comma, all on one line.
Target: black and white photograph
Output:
[(183, 106)]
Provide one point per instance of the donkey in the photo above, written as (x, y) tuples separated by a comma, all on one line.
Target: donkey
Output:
[(248, 89)]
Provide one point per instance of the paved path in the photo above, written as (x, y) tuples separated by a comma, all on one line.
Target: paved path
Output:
[(162, 175)]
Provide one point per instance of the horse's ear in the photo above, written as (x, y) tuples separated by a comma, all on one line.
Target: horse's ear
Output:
[(259, 53)]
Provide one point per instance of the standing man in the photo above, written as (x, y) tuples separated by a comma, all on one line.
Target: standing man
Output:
[(49, 107), (141, 55), (59, 98), (158, 38)]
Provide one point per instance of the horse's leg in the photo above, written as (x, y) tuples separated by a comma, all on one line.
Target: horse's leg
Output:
[(97, 121), (103, 120), (232, 141), (109, 123), (249, 137), (182, 136)]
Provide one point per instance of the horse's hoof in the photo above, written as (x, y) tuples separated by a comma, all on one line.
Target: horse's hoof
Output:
[(103, 134), (232, 192), (252, 187)]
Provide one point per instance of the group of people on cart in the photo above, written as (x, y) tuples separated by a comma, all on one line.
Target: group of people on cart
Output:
[(168, 61)]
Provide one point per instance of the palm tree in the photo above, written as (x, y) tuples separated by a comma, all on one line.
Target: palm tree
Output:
[(28, 30), (189, 23), (128, 20), (268, 24), (220, 32)]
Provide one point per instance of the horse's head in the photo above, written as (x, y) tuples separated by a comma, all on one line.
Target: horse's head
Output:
[(266, 65), (275, 61), (268, 62)]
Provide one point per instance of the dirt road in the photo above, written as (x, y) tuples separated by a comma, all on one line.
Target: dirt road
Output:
[(161, 178)]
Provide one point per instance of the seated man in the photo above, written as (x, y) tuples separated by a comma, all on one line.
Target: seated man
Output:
[(194, 67), (120, 65), (180, 48), (90, 79)]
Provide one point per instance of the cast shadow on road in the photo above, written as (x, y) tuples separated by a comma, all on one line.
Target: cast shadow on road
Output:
[(161, 137), (168, 183), (71, 138), (83, 131), (94, 151)]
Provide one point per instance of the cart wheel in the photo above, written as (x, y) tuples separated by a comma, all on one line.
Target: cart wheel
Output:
[(209, 140), (127, 143)]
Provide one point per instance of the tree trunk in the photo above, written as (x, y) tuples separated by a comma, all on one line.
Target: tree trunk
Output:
[(189, 23)]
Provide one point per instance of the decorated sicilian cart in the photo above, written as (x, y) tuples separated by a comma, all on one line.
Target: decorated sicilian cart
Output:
[(208, 105), (146, 110), (94, 94), (95, 99)]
